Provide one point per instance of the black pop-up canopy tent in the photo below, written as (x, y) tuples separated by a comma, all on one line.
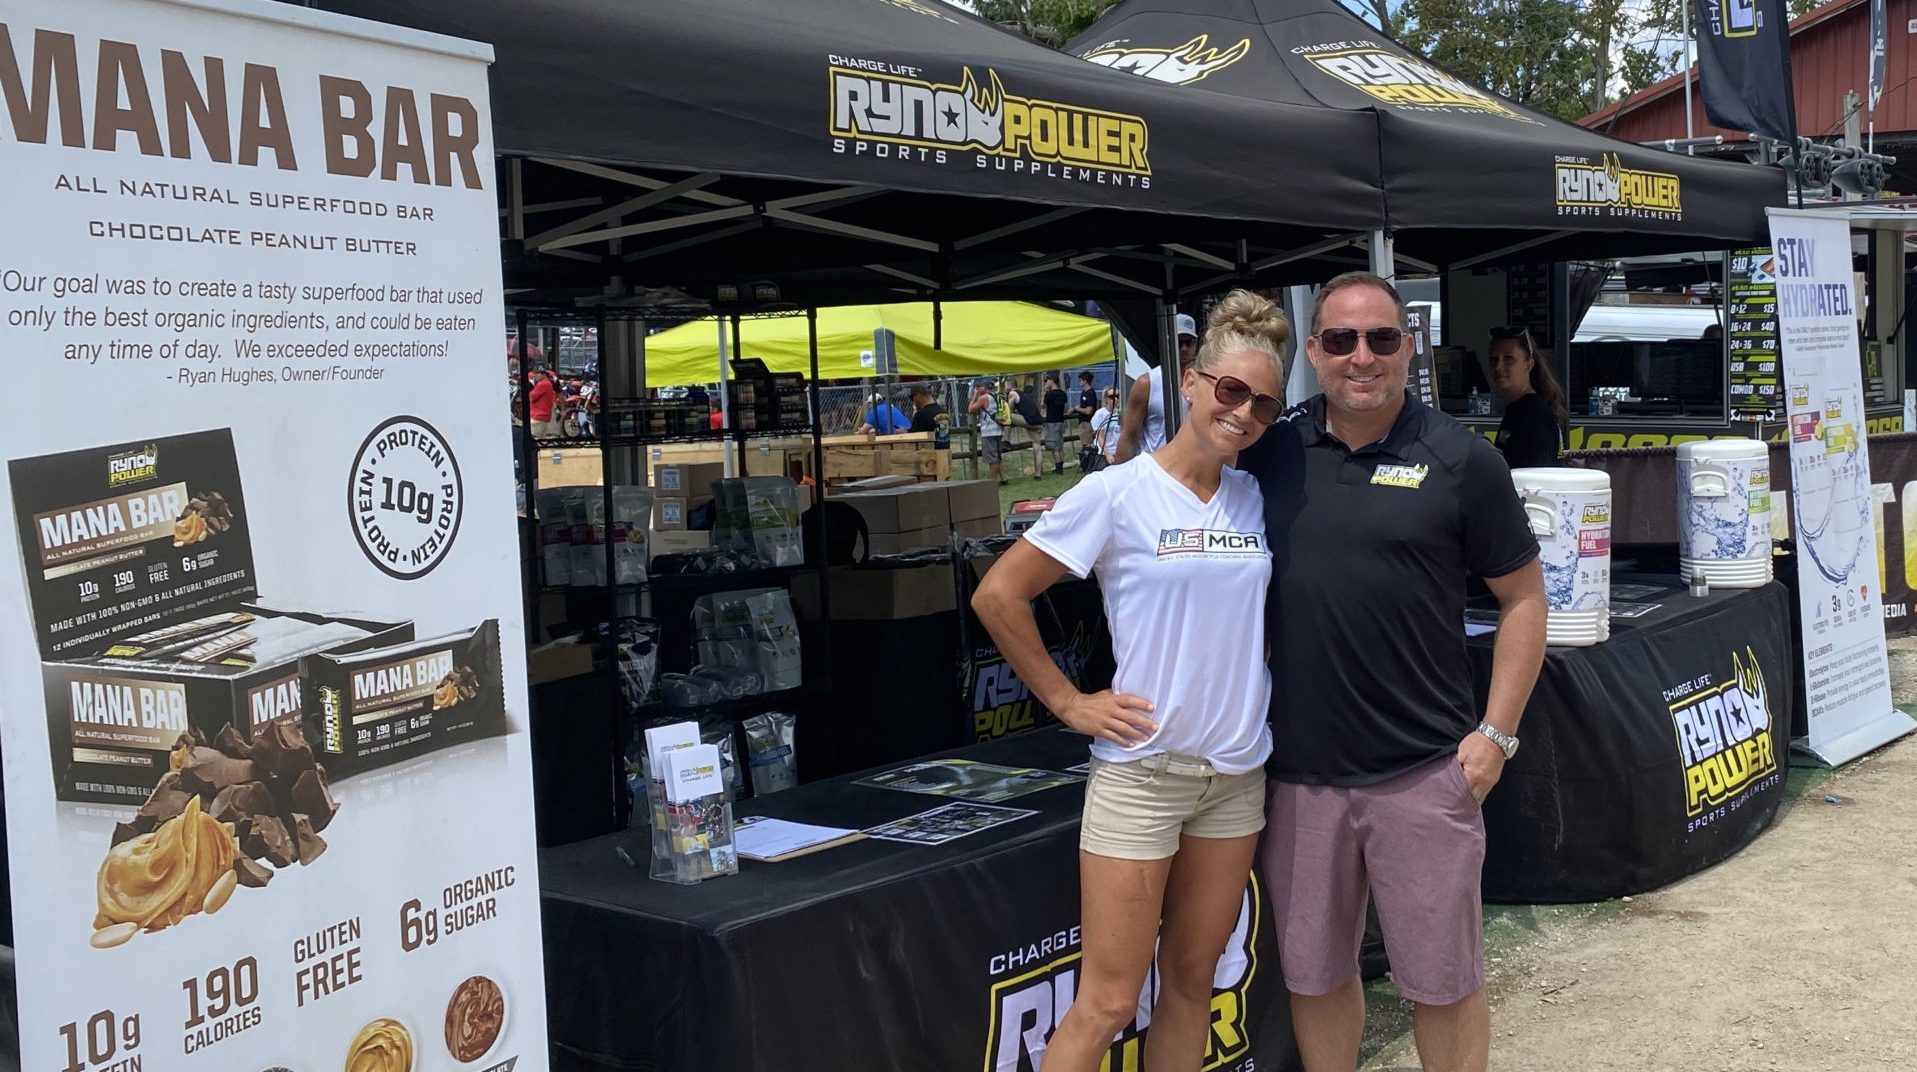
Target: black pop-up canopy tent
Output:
[(846, 148), (1468, 176)]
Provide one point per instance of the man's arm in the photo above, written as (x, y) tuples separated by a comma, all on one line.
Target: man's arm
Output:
[(1137, 404), (1516, 656)]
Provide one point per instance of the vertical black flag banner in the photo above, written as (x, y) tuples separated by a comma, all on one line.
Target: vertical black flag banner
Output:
[(1879, 49), (1744, 66)]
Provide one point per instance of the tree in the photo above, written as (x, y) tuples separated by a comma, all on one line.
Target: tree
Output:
[(1540, 53), (1052, 21)]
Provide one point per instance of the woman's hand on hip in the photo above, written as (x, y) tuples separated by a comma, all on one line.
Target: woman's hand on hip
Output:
[(1118, 717)]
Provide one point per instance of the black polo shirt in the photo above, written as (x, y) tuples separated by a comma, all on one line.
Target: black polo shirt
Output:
[(1370, 551)]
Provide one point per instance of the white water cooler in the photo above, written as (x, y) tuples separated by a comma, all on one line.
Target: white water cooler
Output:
[(1570, 514), (1724, 512)]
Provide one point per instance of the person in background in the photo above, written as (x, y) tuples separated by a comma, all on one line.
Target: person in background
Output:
[(1104, 431), (1027, 417), (540, 404), (985, 411), (1713, 332), (1055, 404), (1144, 423), (717, 418), (1531, 433), (1378, 508), (884, 418), (1175, 798), (588, 404), (929, 416)]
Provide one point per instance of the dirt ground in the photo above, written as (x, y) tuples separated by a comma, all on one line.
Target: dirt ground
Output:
[(1796, 954)]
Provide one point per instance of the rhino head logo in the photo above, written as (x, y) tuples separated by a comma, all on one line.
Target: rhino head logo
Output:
[(984, 109), (1180, 66)]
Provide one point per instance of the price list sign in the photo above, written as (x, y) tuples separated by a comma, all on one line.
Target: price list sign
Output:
[(1424, 377), (1756, 380)]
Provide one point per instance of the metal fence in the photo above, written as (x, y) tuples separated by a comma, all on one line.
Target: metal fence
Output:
[(843, 407)]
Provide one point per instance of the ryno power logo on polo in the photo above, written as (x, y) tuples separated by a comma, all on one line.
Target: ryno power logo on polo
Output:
[(886, 111), (1724, 734)]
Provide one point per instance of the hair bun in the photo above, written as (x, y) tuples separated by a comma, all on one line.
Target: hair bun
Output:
[(1246, 314)]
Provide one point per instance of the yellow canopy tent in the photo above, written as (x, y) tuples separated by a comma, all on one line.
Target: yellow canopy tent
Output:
[(981, 338)]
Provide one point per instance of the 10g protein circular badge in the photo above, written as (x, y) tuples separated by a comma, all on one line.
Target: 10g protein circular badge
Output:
[(405, 497)]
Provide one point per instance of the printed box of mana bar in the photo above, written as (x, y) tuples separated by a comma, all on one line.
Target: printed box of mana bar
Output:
[(139, 566), (369, 708)]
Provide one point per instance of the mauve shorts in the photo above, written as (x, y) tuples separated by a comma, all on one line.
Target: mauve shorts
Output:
[(1415, 842)]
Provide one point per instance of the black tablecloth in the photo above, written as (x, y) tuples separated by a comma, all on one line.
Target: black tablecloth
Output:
[(1629, 776), (874, 955)]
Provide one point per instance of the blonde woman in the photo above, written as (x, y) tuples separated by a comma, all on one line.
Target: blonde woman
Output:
[(1175, 801)]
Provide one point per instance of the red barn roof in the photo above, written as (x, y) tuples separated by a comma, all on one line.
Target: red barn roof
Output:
[(1830, 55)]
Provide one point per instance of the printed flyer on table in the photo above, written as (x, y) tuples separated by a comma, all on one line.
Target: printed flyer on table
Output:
[(267, 772)]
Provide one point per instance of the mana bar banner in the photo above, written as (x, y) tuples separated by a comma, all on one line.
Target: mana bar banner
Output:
[(1846, 667), (266, 765)]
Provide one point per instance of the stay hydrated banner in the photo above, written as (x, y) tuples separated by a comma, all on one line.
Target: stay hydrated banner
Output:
[(1846, 667), (266, 765)]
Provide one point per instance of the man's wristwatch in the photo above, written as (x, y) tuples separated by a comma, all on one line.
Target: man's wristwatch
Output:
[(1505, 742)]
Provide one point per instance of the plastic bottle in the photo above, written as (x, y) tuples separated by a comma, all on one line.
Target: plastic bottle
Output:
[(1700, 584), (1471, 404)]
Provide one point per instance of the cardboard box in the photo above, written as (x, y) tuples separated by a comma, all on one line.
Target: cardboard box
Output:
[(915, 506), (970, 500), (679, 543), (572, 467), (552, 611), (979, 528), (557, 661), (669, 513), (893, 543), (691, 480), (878, 594)]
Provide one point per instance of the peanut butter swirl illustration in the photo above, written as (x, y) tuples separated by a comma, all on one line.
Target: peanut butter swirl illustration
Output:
[(381, 1046), (473, 1018), (159, 878)]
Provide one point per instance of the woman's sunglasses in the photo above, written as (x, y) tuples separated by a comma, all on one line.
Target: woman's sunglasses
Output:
[(1232, 392), (1339, 342)]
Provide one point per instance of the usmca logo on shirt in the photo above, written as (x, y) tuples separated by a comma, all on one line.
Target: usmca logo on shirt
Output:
[(1212, 543)]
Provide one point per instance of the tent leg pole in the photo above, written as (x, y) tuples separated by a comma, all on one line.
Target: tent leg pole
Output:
[(1171, 372), (1384, 263), (735, 467)]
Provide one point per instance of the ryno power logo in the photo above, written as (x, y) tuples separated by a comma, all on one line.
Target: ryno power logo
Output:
[(1404, 81), (1724, 738), (886, 111), (1181, 66), (1044, 980), (1002, 704), (133, 466), (1608, 188), (1732, 18)]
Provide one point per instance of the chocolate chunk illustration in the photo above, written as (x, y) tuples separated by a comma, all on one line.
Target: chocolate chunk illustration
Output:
[(264, 837), (241, 801), (210, 771), (252, 874), (311, 845), (312, 798), (169, 799), (281, 751), (230, 742), (128, 831)]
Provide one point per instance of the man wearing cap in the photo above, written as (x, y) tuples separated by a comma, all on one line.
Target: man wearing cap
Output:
[(985, 413), (1143, 429), (1376, 509), (884, 418)]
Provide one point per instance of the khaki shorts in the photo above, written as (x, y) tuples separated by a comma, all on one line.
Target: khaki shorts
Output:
[(1139, 809)]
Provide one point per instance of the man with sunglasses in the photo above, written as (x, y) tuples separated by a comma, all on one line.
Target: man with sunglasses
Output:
[(1377, 508)]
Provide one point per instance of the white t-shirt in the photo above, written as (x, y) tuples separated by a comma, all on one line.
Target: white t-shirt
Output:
[(1105, 430), (1184, 586), (1151, 434)]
